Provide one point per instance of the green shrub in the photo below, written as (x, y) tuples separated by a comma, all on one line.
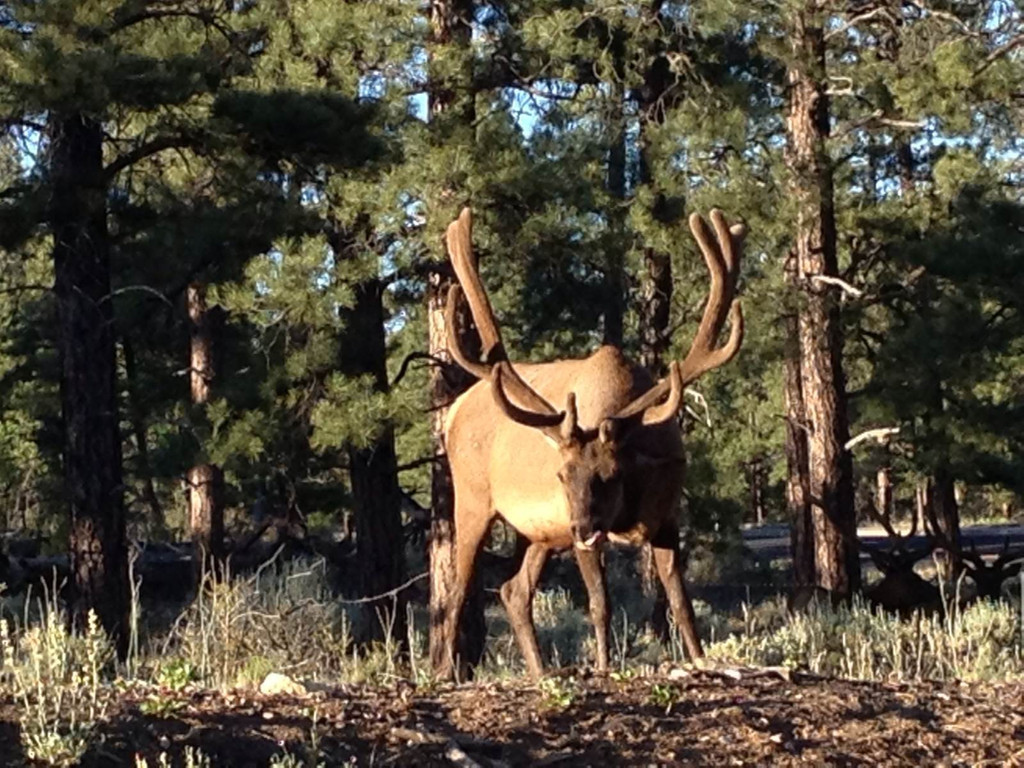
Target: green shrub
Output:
[(980, 642), (56, 677)]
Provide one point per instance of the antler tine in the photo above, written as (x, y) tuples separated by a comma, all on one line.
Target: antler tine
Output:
[(1009, 557), (884, 521), (647, 403), (459, 240), (453, 329), (729, 240), (721, 252), (940, 538), (514, 412), (559, 427)]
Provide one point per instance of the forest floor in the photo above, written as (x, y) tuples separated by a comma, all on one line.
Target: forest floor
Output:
[(725, 716)]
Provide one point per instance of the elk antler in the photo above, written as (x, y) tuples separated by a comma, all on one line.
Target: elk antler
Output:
[(988, 576), (496, 367), (721, 252)]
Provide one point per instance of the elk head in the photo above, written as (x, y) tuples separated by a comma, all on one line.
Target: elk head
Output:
[(596, 460)]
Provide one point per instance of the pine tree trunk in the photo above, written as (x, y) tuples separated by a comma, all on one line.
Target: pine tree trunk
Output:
[(798, 479), (942, 492), (205, 480), (823, 386), (755, 487), (883, 492), (373, 471), (92, 440), (157, 521), (614, 279), (449, 23), (448, 381), (655, 315)]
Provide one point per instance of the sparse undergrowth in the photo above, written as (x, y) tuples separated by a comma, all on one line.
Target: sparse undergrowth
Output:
[(287, 619), (982, 642), (55, 676)]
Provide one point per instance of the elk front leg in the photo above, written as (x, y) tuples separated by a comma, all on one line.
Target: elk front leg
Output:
[(517, 595), (667, 559), (597, 591), (470, 531)]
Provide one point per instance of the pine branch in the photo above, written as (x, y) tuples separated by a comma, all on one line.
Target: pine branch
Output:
[(410, 358), (147, 149), (25, 288), (1009, 46), (417, 463), (882, 435)]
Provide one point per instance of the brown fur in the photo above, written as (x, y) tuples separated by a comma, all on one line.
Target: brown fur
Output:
[(610, 464)]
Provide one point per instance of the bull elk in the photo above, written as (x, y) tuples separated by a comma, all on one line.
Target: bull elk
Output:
[(609, 465)]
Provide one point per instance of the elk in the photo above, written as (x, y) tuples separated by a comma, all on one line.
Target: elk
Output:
[(902, 590), (608, 466), (988, 576)]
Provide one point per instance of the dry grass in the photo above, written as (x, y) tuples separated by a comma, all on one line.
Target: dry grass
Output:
[(287, 618)]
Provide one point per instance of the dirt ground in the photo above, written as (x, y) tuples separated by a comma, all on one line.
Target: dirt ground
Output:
[(721, 717)]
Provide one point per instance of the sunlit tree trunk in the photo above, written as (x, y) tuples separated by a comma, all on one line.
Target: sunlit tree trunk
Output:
[(797, 472), (205, 480), (830, 481), (450, 110)]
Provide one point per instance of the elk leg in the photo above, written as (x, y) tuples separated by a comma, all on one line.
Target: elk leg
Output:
[(517, 595), (667, 559), (470, 532), (592, 571)]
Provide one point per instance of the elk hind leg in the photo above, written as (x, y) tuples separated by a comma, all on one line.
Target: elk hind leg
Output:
[(667, 560), (589, 561), (517, 595)]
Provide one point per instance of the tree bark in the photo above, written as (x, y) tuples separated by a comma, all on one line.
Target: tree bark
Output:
[(655, 315), (755, 487), (92, 440), (205, 480), (824, 390), (798, 479), (450, 26), (373, 472), (614, 278), (942, 494), (883, 492)]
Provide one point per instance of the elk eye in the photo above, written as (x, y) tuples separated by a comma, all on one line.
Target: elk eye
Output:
[(561, 475)]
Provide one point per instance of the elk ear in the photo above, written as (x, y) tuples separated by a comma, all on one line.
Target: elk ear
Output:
[(569, 424), (608, 431)]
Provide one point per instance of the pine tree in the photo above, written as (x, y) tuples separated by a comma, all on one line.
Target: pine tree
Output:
[(822, 395), (89, 70), (452, 109)]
